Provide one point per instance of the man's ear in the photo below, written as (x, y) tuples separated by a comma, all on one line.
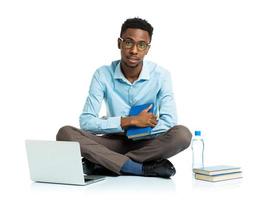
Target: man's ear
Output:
[(119, 43)]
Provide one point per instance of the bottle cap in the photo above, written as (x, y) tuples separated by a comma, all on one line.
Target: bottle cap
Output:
[(197, 133)]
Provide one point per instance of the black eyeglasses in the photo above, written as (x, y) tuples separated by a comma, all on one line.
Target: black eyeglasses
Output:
[(129, 44)]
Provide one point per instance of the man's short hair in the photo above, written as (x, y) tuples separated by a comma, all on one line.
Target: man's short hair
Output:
[(137, 23)]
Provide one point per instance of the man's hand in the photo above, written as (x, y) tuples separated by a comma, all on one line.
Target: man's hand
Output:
[(144, 119)]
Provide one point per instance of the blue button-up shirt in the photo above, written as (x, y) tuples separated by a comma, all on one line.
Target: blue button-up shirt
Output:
[(109, 84)]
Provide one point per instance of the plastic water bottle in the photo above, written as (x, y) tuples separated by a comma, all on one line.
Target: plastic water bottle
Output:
[(197, 151)]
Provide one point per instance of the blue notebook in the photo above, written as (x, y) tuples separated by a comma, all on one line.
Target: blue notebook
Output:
[(134, 131)]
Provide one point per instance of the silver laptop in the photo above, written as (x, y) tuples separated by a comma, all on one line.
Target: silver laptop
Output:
[(57, 162)]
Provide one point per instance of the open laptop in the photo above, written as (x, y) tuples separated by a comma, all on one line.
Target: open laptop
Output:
[(57, 162)]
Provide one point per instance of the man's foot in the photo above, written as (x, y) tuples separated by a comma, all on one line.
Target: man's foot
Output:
[(100, 170), (159, 168), (90, 168)]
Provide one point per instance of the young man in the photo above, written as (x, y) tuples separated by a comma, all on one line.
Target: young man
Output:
[(125, 83)]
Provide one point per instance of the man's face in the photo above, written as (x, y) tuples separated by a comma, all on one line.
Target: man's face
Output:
[(134, 45)]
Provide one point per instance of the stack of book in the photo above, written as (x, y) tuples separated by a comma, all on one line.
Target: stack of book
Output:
[(217, 173)]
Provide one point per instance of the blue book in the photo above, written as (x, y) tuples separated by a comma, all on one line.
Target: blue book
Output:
[(134, 131)]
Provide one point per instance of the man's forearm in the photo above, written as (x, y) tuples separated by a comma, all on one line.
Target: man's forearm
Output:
[(141, 120), (127, 121), (99, 125)]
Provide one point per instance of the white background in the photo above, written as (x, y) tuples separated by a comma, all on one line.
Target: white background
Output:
[(214, 49)]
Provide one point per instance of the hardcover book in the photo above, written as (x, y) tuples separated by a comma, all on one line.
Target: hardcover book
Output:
[(220, 177), (134, 131), (217, 173), (216, 170)]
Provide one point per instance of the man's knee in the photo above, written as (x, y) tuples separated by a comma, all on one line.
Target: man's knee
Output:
[(180, 137), (184, 135), (64, 133)]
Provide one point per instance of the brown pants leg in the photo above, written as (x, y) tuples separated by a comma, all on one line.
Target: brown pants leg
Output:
[(112, 151)]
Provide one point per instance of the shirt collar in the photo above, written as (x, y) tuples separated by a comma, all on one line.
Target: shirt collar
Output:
[(144, 74)]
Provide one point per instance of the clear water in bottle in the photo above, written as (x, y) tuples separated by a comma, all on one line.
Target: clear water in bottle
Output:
[(197, 151)]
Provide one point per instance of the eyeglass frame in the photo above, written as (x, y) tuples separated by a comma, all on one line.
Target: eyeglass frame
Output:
[(135, 44)]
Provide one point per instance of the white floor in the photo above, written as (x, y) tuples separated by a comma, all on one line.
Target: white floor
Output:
[(130, 187), (16, 183)]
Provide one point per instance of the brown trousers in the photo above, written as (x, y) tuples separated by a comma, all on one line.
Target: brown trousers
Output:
[(112, 151)]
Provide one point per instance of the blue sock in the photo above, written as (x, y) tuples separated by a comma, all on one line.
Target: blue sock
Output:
[(132, 167)]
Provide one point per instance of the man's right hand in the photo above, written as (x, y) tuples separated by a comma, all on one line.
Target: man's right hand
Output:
[(145, 119)]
